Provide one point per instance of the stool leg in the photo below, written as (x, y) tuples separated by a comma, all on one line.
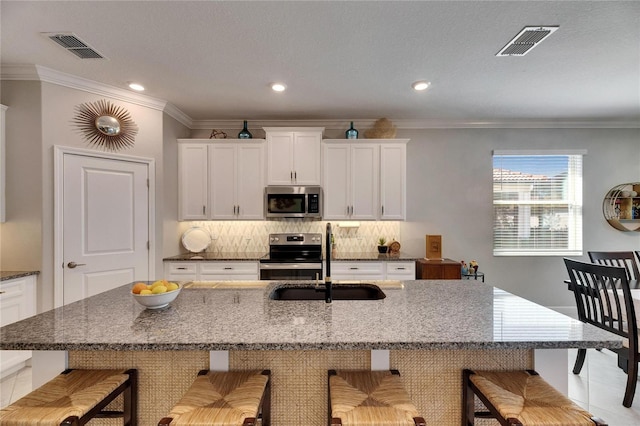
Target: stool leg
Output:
[(468, 403), (266, 400), (130, 395)]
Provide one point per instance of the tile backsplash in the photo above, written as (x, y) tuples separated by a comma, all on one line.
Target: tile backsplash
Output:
[(253, 236)]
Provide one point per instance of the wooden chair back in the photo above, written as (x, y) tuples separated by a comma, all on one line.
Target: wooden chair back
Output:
[(603, 299), (624, 259)]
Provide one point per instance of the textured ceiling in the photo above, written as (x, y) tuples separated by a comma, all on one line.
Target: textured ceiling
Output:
[(348, 60)]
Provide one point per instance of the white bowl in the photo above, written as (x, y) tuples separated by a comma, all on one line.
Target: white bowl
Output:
[(156, 301)]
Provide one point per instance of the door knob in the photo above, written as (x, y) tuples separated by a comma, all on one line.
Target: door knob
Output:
[(72, 265)]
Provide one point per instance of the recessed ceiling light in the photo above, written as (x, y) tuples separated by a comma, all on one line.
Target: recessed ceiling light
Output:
[(421, 85), (278, 87), (137, 87)]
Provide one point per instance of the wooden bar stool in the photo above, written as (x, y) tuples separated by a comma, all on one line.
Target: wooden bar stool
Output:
[(373, 398), (74, 397), (224, 399), (520, 398)]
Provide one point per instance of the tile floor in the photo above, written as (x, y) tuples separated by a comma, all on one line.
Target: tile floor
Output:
[(599, 388)]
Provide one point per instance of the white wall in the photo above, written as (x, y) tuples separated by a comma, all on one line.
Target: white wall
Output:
[(43, 119), (449, 175)]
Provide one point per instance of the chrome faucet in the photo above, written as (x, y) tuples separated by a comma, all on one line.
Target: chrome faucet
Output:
[(327, 275)]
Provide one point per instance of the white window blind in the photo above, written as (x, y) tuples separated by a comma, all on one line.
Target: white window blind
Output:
[(537, 203)]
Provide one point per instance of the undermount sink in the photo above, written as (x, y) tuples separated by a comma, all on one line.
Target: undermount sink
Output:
[(338, 292)]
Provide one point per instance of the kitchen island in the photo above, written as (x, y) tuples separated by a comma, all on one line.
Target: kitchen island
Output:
[(430, 331)]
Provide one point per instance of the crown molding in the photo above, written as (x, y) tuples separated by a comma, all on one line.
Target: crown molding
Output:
[(48, 75), (177, 114), (421, 124)]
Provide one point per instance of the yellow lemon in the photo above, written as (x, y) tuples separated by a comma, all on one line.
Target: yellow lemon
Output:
[(172, 286), (159, 289), (158, 283), (145, 291)]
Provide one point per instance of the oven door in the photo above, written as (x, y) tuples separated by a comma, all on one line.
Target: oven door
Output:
[(290, 271)]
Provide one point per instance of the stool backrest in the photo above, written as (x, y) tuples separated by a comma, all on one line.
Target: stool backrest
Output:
[(624, 259), (603, 298)]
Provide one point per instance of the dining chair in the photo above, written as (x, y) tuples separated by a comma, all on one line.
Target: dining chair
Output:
[(603, 299), (625, 259)]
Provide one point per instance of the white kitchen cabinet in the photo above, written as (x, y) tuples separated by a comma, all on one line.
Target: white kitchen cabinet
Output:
[(364, 180), (402, 271), (214, 271), (211, 271), (221, 179), (293, 155), (357, 271), (193, 181), (17, 302), (373, 270), (350, 181), (236, 177), (393, 181)]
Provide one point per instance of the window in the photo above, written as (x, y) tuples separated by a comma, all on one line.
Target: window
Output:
[(537, 203)]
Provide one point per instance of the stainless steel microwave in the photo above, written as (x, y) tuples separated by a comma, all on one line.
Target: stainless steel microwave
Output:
[(293, 201)]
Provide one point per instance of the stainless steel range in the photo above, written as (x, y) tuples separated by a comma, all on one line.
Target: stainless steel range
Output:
[(293, 257)]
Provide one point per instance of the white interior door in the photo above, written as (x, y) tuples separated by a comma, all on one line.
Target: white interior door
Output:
[(105, 224)]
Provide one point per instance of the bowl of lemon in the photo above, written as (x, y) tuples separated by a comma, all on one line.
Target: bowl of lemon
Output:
[(155, 295)]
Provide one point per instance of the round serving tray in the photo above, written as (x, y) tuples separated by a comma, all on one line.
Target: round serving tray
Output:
[(196, 239)]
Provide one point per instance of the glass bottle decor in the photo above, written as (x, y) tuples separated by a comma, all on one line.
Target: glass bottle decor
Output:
[(244, 134), (351, 133)]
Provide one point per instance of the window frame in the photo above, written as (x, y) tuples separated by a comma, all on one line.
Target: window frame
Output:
[(572, 198)]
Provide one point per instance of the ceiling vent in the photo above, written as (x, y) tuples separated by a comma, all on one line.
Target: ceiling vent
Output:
[(74, 45), (526, 40)]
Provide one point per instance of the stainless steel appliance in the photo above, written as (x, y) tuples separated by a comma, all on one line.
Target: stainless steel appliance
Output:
[(293, 201), (293, 257)]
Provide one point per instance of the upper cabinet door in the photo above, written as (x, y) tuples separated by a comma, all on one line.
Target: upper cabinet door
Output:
[(222, 178), (250, 182), (393, 186), (192, 181), (306, 157), (293, 156), (280, 158), (336, 176), (364, 182)]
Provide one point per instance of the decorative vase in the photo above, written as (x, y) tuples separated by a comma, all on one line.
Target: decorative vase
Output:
[(382, 249), (351, 133), (244, 134)]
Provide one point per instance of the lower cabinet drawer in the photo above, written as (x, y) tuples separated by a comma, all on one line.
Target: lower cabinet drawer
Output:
[(357, 271), (180, 271), (228, 268), (401, 271)]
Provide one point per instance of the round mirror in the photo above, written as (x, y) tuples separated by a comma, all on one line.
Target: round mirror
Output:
[(108, 125), (621, 207)]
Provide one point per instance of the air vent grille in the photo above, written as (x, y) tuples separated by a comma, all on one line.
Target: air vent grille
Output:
[(526, 40), (74, 45)]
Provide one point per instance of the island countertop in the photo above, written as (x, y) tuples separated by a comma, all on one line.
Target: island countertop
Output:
[(414, 315)]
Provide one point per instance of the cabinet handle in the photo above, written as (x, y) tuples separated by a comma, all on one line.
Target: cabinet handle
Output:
[(354, 268), (238, 211), (228, 268), (383, 210), (204, 209), (400, 269), (291, 175), (234, 210), (181, 268), (2, 292), (295, 176)]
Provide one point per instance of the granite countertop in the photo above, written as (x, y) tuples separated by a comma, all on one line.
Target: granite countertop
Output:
[(338, 257), (434, 314), (225, 256), (9, 275)]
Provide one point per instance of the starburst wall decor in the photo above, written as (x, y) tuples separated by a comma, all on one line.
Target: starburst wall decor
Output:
[(105, 125)]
